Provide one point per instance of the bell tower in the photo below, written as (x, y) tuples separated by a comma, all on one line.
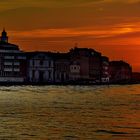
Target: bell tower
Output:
[(4, 37)]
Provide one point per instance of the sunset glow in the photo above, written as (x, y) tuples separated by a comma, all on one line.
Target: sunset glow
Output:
[(109, 26)]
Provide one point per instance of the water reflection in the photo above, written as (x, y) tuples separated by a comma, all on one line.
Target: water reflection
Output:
[(70, 112)]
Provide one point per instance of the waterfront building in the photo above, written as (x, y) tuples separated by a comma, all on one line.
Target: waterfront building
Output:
[(40, 67), (75, 68), (120, 71), (12, 61), (85, 65), (105, 70), (78, 66), (136, 77), (61, 67)]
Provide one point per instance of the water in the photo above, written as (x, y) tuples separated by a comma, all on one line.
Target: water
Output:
[(70, 113)]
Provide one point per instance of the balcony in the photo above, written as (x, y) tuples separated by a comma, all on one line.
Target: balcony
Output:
[(8, 63), (16, 63), (9, 57), (16, 69), (21, 57), (8, 69)]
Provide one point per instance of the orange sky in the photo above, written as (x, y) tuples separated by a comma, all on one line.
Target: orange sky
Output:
[(109, 26)]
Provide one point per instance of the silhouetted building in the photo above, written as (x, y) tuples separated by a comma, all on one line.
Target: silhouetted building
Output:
[(120, 71), (85, 65), (136, 77), (75, 69), (12, 61), (78, 66), (61, 67), (105, 69), (40, 67)]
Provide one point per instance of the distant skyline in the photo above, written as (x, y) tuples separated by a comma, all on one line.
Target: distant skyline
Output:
[(109, 26)]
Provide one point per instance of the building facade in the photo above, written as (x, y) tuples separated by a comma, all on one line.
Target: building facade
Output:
[(120, 71), (61, 67), (85, 65), (75, 69), (40, 67), (12, 61), (105, 70)]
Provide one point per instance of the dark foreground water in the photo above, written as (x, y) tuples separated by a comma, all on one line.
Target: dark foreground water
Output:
[(70, 113)]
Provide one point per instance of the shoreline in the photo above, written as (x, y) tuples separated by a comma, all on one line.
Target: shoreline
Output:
[(65, 84)]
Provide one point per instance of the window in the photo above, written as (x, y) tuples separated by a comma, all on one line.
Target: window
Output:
[(49, 62), (41, 76), (33, 62), (16, 73), (57, 76), (33, 73), (41, 62), (49, 74)]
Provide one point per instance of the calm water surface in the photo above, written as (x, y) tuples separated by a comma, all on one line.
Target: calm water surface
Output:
[(70, 112)]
